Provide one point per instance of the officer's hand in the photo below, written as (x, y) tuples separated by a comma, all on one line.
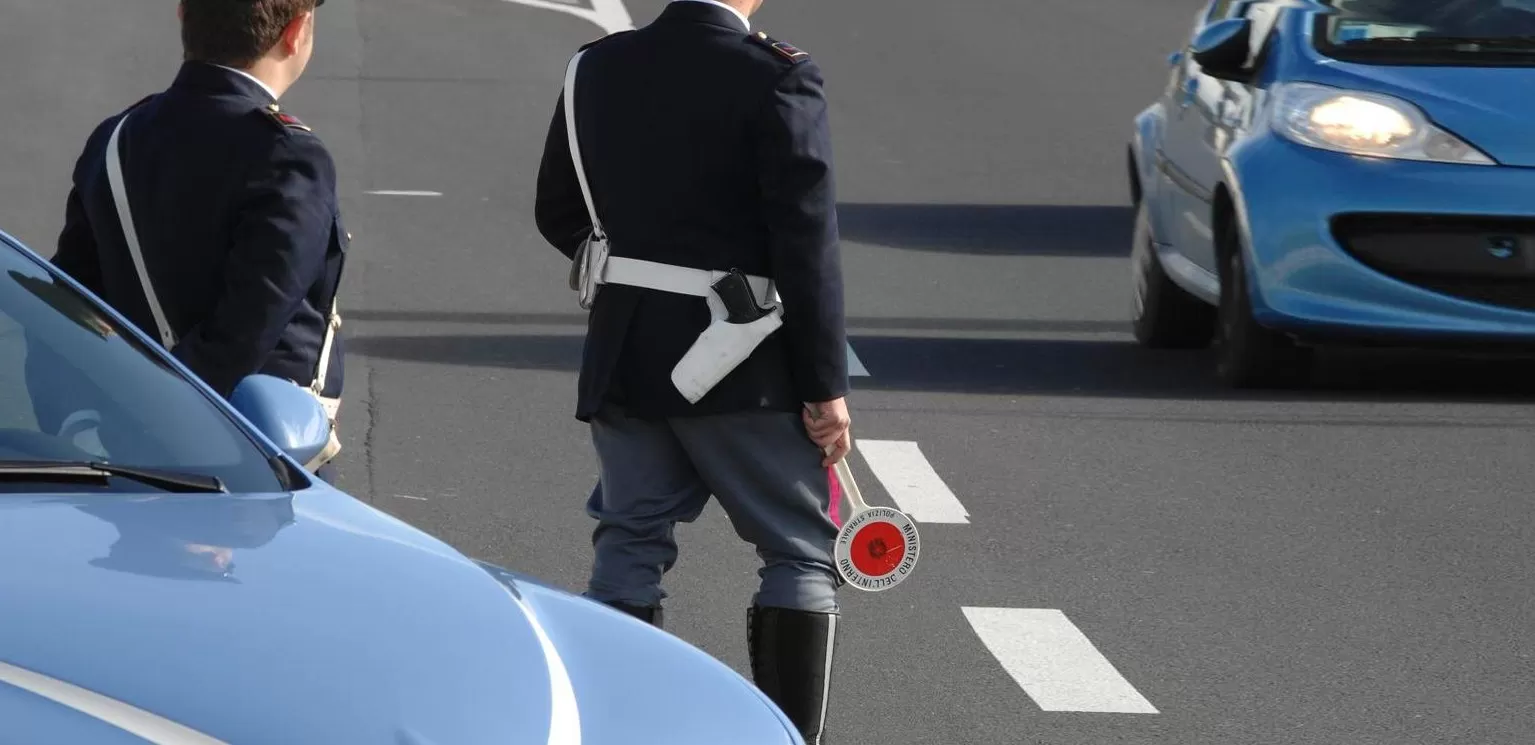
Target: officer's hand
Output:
[(829, 426)]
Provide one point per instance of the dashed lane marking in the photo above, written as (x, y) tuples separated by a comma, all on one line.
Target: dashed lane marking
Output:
[(1054, 662), (913, 484), (405, 193), (610, 15)]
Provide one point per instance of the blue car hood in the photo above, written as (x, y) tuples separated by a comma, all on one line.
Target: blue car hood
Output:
[(1489, 107), (316, 619)]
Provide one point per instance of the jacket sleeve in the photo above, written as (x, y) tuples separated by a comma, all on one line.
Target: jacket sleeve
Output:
[(76, 254), (560, 208), (286, 212), (793, 142)]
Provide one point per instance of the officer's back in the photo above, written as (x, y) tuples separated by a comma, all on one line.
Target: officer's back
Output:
[(669, 117), (234, 206)]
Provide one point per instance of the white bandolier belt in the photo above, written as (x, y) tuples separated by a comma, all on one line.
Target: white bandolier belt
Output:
[(682, 280)]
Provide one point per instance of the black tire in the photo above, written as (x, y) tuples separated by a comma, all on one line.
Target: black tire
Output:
[(1247, 355), (1163, 315)]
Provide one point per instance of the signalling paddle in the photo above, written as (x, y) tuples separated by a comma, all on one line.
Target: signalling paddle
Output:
[(877, 547)]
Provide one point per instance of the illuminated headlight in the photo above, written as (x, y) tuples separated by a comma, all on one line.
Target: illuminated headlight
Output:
[(1368, 124)]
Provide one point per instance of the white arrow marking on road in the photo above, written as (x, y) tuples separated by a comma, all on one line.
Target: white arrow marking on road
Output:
[(912, 482), (855, 366), (610, 15), (1054, 662)]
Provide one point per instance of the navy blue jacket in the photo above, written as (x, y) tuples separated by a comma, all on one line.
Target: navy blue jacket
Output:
[(237, 217), (706, 147)]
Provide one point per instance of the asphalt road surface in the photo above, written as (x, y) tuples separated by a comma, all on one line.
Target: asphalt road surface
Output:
[(1116, 549)]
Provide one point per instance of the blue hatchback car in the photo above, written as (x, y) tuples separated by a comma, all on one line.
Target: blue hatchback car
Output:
[(1326, 171), (169, 574)]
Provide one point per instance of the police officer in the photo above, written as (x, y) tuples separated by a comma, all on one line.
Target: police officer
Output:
[(706, 149), (231, 202)]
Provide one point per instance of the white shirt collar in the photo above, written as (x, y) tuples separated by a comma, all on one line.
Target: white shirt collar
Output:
[(738, 14), (257, 80)]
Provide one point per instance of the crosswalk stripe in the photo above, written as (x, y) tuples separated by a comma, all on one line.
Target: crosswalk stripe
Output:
[(855, 368), (912, 482), (1054, 662)]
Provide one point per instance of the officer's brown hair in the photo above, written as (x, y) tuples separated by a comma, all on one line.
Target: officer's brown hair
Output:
[(235, 33)]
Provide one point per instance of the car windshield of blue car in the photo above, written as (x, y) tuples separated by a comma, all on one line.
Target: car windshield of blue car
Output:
[(74, 388), (1430, 32)]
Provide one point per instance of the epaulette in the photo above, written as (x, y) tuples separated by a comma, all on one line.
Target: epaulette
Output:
[(284, 119), (595, 42), (785, 49)]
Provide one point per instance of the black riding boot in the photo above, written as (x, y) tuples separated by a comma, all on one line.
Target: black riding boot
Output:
[(791, 655), (652, 616)]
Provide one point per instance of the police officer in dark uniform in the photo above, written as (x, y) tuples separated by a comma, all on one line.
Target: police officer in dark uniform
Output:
[(232, 201), (706, 148)]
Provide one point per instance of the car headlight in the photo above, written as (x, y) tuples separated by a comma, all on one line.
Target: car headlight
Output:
[(1369, 124)]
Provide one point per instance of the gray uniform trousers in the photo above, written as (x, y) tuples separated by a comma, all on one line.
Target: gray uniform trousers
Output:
[(761, 466)]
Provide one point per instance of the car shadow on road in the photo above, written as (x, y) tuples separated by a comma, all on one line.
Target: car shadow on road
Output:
[(1098, 368), (998, 230)]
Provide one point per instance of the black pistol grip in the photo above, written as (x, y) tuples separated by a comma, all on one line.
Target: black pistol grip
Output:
[(735, 292)]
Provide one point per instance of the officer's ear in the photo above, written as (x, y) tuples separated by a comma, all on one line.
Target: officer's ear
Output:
[(295, 36)]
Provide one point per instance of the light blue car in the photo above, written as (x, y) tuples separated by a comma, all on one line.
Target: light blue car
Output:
[(169, 574), (1354, 171)]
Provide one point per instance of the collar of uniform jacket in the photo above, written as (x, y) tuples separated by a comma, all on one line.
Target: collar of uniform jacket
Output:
[(252, 78), (745, 22), (211, 78)]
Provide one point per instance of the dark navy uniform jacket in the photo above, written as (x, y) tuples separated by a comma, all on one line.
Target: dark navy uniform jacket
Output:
[(237, 217), (707, 147)]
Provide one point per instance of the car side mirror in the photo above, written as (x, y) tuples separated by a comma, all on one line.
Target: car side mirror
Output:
[(288, 415), (1222, 48)]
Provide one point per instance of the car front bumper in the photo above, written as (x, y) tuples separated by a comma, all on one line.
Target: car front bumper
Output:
[(1357, 249)]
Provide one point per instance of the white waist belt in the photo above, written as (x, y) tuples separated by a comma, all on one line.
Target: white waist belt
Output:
[(653, 275)]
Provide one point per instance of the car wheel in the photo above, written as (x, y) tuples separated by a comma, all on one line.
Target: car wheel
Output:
[(1247, 354), (1162, 313)]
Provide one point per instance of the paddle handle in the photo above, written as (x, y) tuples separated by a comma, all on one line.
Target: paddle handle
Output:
[(845, 478), (845, 473)]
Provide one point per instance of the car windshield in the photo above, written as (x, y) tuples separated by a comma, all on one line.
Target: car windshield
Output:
[(75, 388), (1444, 32)]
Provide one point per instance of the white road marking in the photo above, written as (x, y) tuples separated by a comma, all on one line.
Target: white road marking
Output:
[(394, 193), (610, 15), (407, 496), (912, 482), (855, 366), (1054, 662)]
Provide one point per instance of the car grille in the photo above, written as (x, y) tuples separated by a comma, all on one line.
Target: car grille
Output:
[(1488, 260)]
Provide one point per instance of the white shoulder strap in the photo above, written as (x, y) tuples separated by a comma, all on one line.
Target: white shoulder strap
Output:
[(575, 145), (332, 322), (125, 216)]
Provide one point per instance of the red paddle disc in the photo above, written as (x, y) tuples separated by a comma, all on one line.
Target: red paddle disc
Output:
[(877, 549)]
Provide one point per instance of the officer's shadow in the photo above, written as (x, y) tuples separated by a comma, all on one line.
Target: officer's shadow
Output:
[(1107, 365)]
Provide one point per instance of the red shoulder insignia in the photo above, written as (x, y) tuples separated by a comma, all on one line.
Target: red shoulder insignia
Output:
[(284, 119), (785, 49)]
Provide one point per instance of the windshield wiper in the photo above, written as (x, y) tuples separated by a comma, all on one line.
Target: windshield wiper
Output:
[(1446, 43), (53, 470)]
